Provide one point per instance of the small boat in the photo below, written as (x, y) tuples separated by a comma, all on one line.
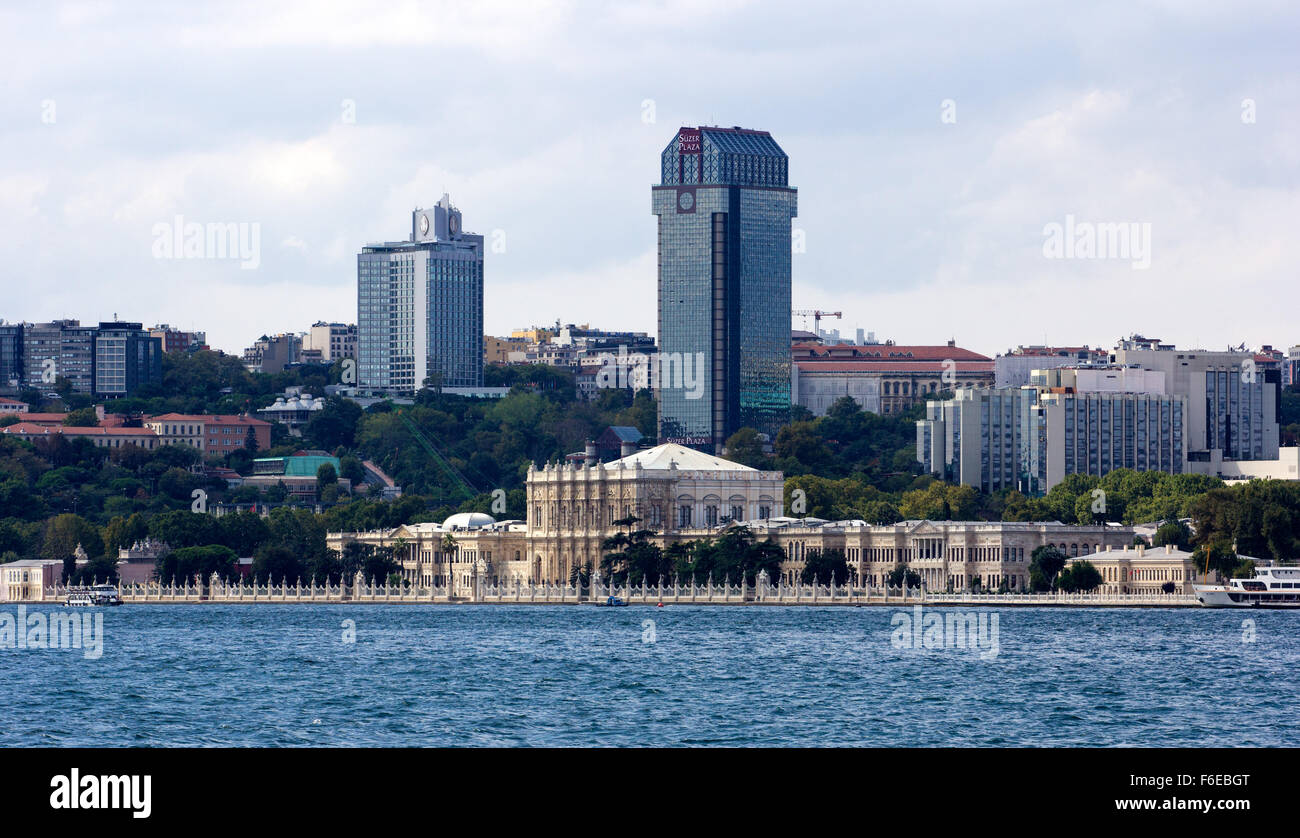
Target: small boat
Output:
[(612, 602), (1274, 586), (88, 596)]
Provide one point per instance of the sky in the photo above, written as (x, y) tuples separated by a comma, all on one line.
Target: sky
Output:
[(942, 152)]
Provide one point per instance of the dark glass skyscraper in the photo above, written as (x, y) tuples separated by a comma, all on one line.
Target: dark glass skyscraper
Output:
[(724, 208)]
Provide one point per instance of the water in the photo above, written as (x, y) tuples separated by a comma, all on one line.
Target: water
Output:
[(270, 675)]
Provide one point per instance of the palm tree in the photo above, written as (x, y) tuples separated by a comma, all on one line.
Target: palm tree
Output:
[(449, 549)]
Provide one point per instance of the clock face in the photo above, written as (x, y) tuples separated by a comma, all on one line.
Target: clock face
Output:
[(453, 223), (424, 225), (686, 200)]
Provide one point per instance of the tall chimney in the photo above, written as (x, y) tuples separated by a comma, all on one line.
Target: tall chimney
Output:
[(592, 457)]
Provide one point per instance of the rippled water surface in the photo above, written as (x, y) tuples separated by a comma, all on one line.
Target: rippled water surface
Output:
[(270, 675)]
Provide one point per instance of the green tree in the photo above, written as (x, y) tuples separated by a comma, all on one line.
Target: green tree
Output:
[(1044, 565), (1080, 577), (86, 417), (823, 566), (746, 447)]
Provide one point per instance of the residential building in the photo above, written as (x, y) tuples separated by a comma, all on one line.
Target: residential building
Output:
[(1013, 368), (212, 434), (497, 350), (273, 353), (13, 406), (724, 208), (420, 306), (1233, 404), (334, 341), (178, 340), (102, 437)]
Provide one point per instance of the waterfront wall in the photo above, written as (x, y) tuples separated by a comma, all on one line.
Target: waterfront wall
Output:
[(762, 592)]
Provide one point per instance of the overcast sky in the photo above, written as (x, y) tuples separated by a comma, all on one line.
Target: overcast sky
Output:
[(325, 124)]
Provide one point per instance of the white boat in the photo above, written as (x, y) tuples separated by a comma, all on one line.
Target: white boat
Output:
[(1273, 586), (90, 596)]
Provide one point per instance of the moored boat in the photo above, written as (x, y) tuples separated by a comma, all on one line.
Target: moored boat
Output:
[(92, 595), (1273, 586)]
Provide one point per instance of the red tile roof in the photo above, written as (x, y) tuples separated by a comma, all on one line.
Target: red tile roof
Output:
[(31, 428), (227, 419), (882, 352)]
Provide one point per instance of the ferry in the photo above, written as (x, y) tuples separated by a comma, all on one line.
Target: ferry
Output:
[(88, 596), (1273, 586)]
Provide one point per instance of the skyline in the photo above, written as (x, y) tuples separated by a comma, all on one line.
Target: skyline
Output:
[(920, 230)]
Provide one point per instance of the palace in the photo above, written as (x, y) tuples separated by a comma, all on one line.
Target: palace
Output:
[(685, 495)]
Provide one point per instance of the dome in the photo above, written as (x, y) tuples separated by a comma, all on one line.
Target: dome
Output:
[(468, 521)]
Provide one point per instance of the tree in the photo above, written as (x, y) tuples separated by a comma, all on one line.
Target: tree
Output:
[(901, 576), (1044, 564), (823, 566), (276, 565), (86, 417), (181, 566), (1173, 532), (64, 532), (352, 470), (1080, 577), (326, 476), (746, 447), (449, 549)]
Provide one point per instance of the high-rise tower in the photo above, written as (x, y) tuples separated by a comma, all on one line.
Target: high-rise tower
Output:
[(724, 206), (420, 306)]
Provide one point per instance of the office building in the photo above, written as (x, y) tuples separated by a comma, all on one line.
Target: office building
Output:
[(59, 349), (725, 207), (334, 341), (420, 306), (126, 357), (882, 378), (11, 357)]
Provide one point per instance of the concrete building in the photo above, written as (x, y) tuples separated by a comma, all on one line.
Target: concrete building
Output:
[(127, 357), (102, 437), (210, 433), (724, 208), (420, 306), (1130, 569), (13, 406), (1152, 407), (498, 350), (11, 357), (1012, 369), (178, 340), (882, 378), (59, 349), (334, 341), (272, 353), (1234, 404), (29, 580)]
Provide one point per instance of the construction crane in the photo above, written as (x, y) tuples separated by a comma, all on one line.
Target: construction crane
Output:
[(817, 315)]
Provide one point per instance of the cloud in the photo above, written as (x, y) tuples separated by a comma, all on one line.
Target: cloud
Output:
[(326, 124)]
